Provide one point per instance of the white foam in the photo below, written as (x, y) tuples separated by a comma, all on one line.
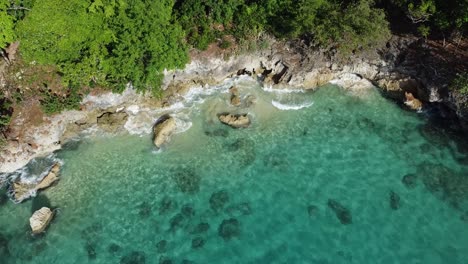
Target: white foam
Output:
[(270, 89), (290, 107)]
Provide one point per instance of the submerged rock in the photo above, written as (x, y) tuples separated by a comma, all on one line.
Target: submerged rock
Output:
[(114, 248), (144, 209), (239, 209), (218, 200), (135, 257), (163, 130), (161, 246), (177, 221), (4, 250), (40, 220), (187, 210), (217, 133), (235, 120), (235, 98), (91, 250), (342, 213), (229, 229), (410, 180), (165, 260), (167, 205), (198, 242), (394, 200), (200, 228)]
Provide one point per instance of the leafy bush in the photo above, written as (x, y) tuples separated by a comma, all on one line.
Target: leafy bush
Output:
[(460, 83), (6, 110), (52, 103)]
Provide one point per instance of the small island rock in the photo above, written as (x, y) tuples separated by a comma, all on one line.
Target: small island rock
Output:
[(40, 220), (235, 120), (163, 129), (50, 178), (235, 98)]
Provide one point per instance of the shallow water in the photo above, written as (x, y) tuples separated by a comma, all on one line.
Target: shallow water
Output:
[(322, 184)]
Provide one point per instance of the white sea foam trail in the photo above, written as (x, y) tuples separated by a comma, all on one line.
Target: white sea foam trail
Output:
[(291, 107), (270, 89)]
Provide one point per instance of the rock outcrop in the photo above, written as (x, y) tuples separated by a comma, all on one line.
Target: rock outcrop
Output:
[(412, 102), (111, 121), (235, 120), (40, 220), (163, 130), (21, 191)]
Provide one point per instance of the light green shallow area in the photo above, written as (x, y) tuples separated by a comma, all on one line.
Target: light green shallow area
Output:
[(270, 184)]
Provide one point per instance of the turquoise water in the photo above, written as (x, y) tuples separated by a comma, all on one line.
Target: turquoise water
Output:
[(322, 184)]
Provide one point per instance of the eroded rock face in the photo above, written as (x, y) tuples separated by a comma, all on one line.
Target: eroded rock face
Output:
[(163, 130), (235, 120), (111, 121), (40, 220)]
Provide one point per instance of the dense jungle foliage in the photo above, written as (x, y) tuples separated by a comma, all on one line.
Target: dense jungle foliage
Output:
[(109, 43)]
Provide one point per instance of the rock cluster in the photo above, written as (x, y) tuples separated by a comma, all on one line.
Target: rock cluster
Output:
[(21, 191), (40, 220)]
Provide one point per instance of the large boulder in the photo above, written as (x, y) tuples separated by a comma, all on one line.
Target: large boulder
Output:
[(235, 120), (40, 220), (412, 102), (50, 178), (163, 130)]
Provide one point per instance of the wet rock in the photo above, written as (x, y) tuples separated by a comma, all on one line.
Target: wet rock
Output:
[(410, 180), (229, 229), (188, 211), (165, 260), (342, 213), (167, 205), (239, 209), (91, 250), (218, 200), (187, 180), (161, 246), (394, 200), (135, 257), (144, 210), (198, 242), (250, 100), (234, 120), (412, 102), (312, 210), (235, 98), (40, 220), (114, 248), (200, 228), (163, 130), (111, 121)]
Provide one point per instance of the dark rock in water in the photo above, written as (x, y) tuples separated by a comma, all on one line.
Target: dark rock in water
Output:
[(161, 246), (144, 209), (71, 145), (464, 217), (135, 257), (187, 210), (312, 210), (229, 229), (90, 249), (186, 261), (187, 180), (218, 200), (3, 196), (217, 133), (40, 201), (177, 221), (394, 200), (246, 150), (4, 250), (239, 209), (167, 205), (342, 213), (198, 242), (200, 228), (165, 260), (410, 180), (114, 248)]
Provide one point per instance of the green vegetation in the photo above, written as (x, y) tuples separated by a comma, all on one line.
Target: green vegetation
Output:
[(110, 43), (5, 112), (460, 83)]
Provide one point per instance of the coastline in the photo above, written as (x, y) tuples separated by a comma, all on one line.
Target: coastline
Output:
[(282, 65)]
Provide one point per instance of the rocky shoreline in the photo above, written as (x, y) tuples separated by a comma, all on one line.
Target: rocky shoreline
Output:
[(282, 65)]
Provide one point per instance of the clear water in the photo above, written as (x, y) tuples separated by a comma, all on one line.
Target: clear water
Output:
[(118, 196)]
